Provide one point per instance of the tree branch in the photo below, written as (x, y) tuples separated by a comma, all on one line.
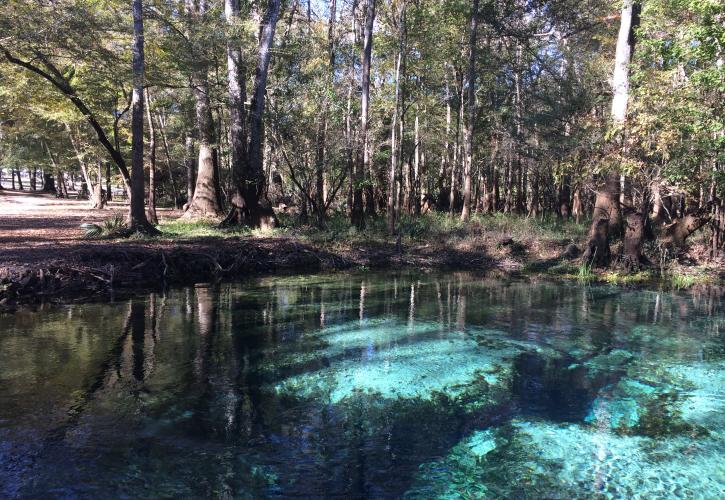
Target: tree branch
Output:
[(63, 86)]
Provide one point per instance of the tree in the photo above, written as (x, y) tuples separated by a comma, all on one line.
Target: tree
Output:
[(606, 207), (468, 162), (206, 202), (237, 114), (137, 216), (248, 171), (362, 164)]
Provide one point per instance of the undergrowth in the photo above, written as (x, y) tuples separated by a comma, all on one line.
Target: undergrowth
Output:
[(437, 227)]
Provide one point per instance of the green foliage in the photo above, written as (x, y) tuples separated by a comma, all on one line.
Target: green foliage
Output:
[(114, 227), (584, 273), (185, 229)]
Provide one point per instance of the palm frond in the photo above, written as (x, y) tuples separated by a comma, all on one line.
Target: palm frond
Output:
[(91, 230)]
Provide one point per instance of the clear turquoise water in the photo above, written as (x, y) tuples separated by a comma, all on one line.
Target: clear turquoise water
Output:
[(368, 385)]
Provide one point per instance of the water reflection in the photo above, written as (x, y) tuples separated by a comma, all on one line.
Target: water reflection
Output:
[(359, 385)]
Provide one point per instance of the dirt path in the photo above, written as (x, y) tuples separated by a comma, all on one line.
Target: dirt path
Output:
[(35, 225)]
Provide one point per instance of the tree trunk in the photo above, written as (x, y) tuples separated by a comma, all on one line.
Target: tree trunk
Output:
[(321, 142), (577, 207), (468, 162), (167, 156), (151, 205), (256, 214), (565, 197), (363, 155), (205, 202), (678, 231), (190, 165), (109, 192), (453, 195), (633, 240), (97, 199), (659, 214), (415, 184), (48, 181), (395, 140), (606, 207), (394, 147), (137, 216), (16, 172), (56, 78), (62, 189), (446, 156)]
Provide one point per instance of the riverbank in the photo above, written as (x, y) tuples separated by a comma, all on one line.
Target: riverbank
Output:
[(90, 269), (45, 258)]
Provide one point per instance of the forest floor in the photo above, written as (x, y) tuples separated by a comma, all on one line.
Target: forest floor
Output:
[(43, 255)]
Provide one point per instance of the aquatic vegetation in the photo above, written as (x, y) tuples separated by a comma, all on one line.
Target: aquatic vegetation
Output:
[(584, 272)]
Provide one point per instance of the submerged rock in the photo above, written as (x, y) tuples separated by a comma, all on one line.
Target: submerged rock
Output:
[(404, 371), (537, 459), (396, 360)]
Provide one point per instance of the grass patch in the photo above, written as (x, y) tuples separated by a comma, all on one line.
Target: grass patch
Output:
[(183, 229), (679, 279), (584, 273), (617, 278)]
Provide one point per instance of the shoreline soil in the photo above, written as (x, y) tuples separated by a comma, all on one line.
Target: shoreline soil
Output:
[(43, 257)]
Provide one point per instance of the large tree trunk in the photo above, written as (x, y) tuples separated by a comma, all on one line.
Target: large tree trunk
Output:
[(205, 202), (363, 156), (606, 210), (137, 216), (257, 214), (248, 160), (468, 162), (236, 88)]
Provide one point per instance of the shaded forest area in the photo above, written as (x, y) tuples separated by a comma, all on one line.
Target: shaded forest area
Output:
[(295, 113)]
